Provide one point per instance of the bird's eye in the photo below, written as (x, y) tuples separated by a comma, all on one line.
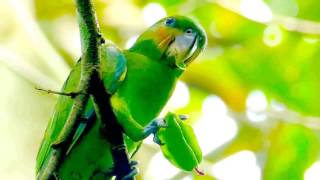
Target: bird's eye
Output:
[(169, 21), (189, 31)]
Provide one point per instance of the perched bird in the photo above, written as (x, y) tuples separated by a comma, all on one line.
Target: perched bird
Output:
[(140, 80)]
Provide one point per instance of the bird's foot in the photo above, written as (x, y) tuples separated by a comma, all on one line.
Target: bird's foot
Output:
[(153, 128)]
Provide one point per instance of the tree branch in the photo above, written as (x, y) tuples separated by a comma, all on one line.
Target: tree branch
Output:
[(111, 130), (90, 84), (89, 32)]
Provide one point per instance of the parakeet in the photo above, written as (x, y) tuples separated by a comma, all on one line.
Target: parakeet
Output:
[(140, 80)]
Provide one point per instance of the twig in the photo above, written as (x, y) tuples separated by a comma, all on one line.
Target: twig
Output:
[(71, 94)]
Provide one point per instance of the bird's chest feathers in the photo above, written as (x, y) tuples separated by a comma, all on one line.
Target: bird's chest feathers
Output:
[(147, 87)]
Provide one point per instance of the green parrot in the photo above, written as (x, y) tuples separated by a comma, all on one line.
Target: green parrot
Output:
[(140, 80)]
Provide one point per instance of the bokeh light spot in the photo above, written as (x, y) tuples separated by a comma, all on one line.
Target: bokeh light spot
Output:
[(153, 12), (215, 127), (213, 105), (131, 41), (180, 96), (241, 165), (256, 10), (272, 35), (256, 106), (160, 168), (313, 172), (257, 101)]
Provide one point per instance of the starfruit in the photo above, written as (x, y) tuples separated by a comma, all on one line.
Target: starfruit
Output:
[(179, 143)]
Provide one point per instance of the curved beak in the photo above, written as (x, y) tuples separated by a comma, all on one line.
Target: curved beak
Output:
[(199, 44), (185, 48)]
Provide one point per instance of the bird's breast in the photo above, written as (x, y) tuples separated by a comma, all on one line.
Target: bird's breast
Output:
[(146, 90)]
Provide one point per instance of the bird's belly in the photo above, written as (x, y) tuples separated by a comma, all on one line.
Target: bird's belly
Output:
[(88, 159)]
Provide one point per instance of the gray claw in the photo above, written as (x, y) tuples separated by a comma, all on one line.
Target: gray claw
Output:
[(157, 140), (154, 126), (161, 123)]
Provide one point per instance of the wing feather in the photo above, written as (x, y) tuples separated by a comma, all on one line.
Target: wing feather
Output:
[(113, 69)]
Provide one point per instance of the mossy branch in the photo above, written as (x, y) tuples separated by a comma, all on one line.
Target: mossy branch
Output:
[(90, 85)]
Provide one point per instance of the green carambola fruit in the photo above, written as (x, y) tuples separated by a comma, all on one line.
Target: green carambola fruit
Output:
[(180, 145)]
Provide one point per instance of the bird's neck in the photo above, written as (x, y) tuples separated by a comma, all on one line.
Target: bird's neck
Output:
[(147, 48)]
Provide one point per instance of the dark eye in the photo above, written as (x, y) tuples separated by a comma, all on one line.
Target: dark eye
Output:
[(169, 21), (189, 31)]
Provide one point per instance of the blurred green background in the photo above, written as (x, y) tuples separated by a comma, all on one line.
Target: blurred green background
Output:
[(252, 97)]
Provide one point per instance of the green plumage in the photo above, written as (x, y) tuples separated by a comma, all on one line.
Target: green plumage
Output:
[(140, 79)]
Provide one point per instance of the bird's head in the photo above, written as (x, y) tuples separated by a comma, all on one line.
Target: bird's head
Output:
[(175, 40)]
